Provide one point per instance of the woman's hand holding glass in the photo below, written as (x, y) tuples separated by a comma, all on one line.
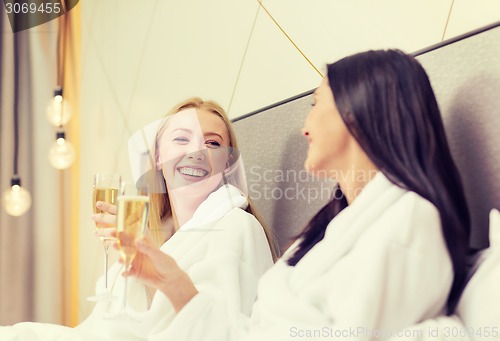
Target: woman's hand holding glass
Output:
[(131, 220), (105, 192), (158, 270), (105, 220)]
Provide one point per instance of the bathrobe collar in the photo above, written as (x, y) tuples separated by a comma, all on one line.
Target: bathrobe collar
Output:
[(343, 231), (216, 205)]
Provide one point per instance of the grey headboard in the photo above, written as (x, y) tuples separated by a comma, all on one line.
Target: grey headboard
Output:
[(465, 74)]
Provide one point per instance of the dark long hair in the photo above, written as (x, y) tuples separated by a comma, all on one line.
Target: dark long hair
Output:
[(386, 101)]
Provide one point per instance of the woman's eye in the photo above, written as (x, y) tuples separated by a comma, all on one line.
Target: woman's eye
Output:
[(313, 104), (181, 140), (212, 144)]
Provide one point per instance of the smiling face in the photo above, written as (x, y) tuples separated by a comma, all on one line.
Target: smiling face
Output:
[(328, 137), (192, 153)]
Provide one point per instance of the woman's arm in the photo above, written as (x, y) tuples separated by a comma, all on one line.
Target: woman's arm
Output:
[(157, 269), (222, 281)]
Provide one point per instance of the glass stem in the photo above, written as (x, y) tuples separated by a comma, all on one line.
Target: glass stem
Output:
[(106, 249), (125, 288)]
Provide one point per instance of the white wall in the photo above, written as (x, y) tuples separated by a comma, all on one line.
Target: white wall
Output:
[(139, 58)]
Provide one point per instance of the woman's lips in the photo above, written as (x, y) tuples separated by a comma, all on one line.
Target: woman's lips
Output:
[(192, 173)]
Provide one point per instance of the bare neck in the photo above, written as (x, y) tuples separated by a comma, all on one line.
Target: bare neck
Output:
[(182, 209), (353, 176)]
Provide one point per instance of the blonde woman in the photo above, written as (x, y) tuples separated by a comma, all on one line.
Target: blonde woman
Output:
[(200, 216)]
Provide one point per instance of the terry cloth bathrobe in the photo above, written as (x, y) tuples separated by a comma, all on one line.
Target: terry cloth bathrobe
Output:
[(222, 248), (477, 317), (382, 266)]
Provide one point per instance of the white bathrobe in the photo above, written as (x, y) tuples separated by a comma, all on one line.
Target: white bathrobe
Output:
[(382, 266), (222, 248), (477, 317)]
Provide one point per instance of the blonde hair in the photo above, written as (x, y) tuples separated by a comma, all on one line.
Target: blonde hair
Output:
[(160, 209)]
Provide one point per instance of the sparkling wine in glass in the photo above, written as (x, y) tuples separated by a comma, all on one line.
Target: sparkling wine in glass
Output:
[(105, 188), (132, 218)]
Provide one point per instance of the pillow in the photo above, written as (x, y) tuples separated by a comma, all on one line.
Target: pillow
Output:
[(479, 306)]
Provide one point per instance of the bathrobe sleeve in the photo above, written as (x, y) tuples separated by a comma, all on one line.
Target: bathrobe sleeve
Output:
[(396, 273), (385, 288), (226, 265), (442, 328), (237, 255), (477, 315)]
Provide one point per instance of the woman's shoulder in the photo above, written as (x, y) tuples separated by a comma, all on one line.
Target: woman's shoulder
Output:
[(412, 221), (239, 215), (239, 221), (240, 229), (417, 208)]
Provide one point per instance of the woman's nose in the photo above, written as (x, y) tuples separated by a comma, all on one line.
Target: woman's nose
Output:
[(198, 155)]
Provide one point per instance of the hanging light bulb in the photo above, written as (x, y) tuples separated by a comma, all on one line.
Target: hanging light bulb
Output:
[(16, 200), (58, 110), (62, 152)]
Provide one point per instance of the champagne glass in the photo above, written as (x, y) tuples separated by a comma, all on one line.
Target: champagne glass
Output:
[(105, 188), (132, 217)]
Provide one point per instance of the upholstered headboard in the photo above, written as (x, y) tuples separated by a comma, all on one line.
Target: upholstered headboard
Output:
[(465, 74)]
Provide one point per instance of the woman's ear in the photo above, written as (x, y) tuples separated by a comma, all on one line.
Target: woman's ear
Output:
[(158, 162), (229, 162)]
